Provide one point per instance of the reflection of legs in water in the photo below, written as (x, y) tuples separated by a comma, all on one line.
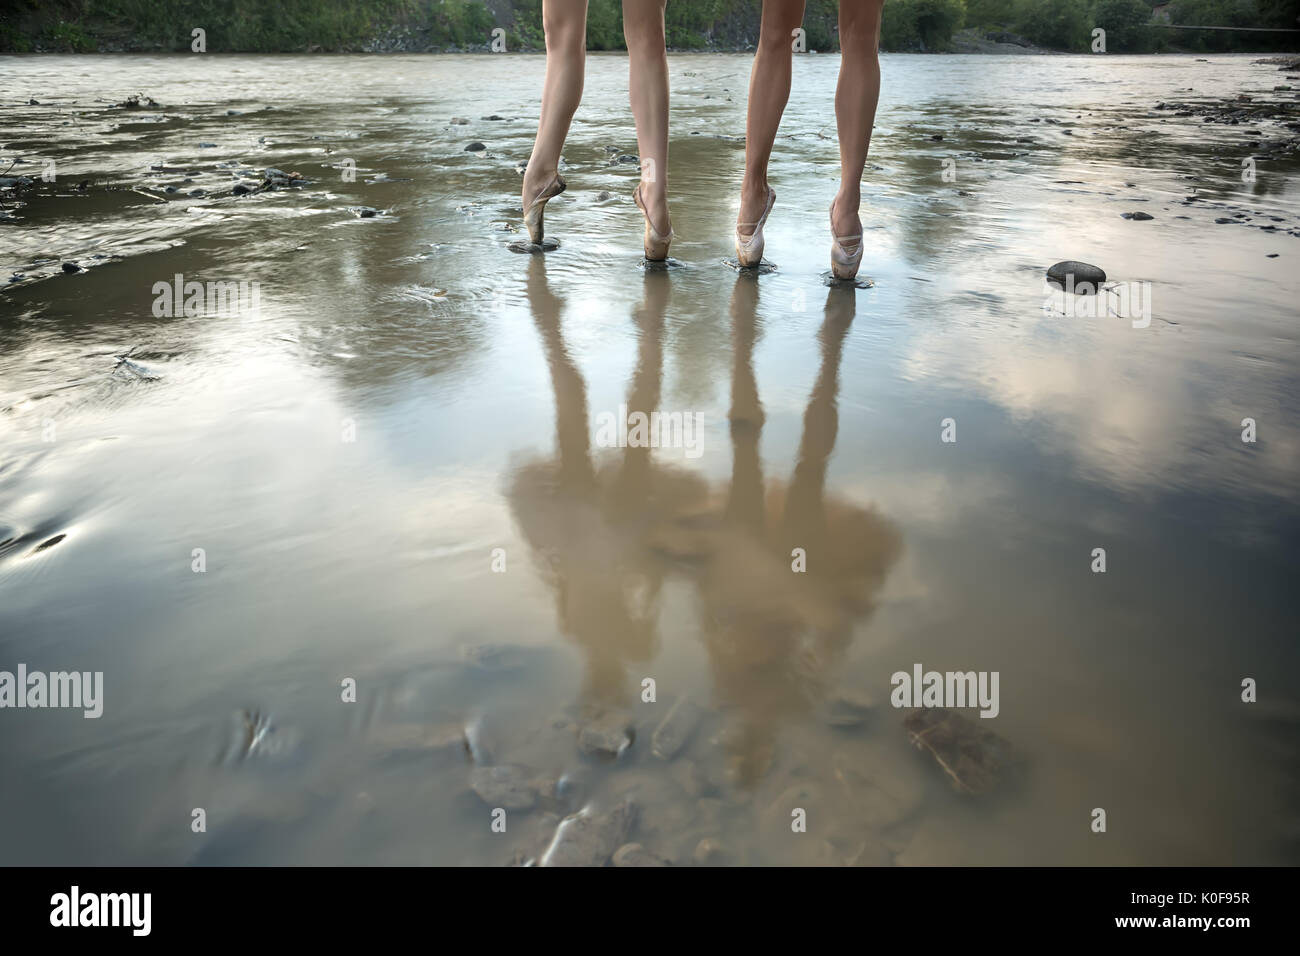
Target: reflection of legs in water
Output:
[(571, 430), (632, 486), (773, 634), (804, 520), (585, 559), (745, 496)]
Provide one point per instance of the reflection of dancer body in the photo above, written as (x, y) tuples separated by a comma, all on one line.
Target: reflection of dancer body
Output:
[(565, 22), (586, 524), (603, 532), (773, 634), (855, 112)]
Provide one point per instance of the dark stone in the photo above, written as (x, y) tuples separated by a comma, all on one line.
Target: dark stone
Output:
[(475, 147), (72, 267), (975, 759), (1086, 277), (548, 244)]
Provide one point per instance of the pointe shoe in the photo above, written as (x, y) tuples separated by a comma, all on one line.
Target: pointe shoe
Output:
[(654, 243), (844, 264), (533, 214), (749, 250)]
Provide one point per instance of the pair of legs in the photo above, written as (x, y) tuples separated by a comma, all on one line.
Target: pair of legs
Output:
[(565, 23), (855, 103)]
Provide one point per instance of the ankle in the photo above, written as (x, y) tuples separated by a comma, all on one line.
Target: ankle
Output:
[(847, 202), (537, 178), (754, 190), (654, 192)]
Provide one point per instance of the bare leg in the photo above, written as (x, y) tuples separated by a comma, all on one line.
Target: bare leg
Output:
[(769, 89), (855, 104), (565, 22), (643, 28)]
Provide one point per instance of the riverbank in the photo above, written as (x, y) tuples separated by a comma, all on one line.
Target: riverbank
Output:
[(474, 26)]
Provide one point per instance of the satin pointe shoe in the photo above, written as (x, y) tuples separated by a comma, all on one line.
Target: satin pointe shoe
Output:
[(846, 251), (749, 249), (653, 242), (533, 214)]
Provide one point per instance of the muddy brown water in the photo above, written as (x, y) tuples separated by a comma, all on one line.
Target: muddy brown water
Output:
[(395, 471)]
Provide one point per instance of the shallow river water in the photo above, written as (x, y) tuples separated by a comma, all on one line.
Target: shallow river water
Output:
[(393, 472)]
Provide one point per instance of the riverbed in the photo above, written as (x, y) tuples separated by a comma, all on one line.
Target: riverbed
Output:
[(360, 568)]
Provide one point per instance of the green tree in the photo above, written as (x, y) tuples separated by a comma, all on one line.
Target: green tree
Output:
[(920, 24), (1127, 24), (990, 13), (1057, 24)]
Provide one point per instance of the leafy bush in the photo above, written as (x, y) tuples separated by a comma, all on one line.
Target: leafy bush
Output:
[(1127, 25), (67, 38), (1058, 24), (920, 24)]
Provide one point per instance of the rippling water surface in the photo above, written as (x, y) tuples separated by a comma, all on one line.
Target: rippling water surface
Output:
[(413, 408)]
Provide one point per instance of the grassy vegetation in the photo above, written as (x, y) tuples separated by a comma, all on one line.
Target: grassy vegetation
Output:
[(266, 26), (1068, 24)]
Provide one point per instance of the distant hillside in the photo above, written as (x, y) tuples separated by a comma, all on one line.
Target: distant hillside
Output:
[(382, 26)]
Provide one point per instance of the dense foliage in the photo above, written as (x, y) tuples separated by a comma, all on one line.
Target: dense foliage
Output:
[(909, 25)]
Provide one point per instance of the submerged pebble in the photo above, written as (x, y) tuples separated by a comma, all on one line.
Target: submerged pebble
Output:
[(588, 838), (506, 785), (975, 759), (846, 708), (676, 728), (634, 854), (497, 656), (606, 735)]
